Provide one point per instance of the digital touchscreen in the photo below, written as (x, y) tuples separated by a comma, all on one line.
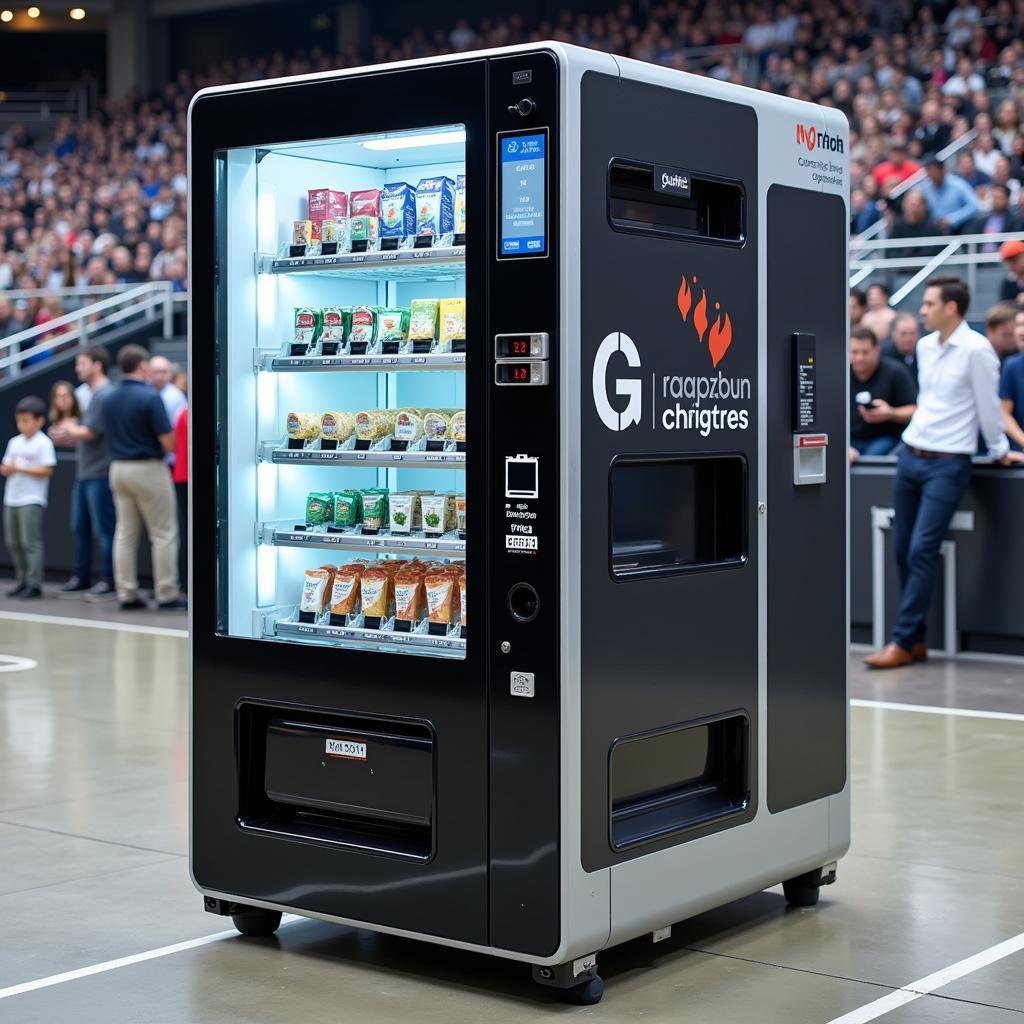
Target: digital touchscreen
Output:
[(523, 194)]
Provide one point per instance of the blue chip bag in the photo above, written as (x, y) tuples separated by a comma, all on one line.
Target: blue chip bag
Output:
[(435, 206), (398, 210)]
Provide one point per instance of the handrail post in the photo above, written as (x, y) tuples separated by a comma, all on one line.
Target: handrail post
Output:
[(972, 269), (83, 333), (168, 310)]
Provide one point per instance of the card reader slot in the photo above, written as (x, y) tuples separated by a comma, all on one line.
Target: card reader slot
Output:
[(713, 209)]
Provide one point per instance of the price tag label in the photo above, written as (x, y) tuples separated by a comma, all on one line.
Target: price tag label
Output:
[(351, 749)]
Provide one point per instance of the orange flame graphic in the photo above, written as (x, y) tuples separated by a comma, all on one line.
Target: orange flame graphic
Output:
[(700, 315), (684, 299), (720, 339)]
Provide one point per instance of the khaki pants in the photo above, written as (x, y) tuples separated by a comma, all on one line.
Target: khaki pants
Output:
[(144, 494), (23, 534)]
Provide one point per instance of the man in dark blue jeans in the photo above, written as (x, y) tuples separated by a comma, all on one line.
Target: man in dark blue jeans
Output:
[(93, 511), (958, 372)]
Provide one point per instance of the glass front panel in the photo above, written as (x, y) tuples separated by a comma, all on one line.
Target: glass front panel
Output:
[(342, 355)]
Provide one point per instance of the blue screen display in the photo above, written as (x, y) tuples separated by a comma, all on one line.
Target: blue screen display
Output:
[(523, 195)]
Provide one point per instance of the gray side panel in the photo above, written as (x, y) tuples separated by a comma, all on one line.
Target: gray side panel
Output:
[(667, 650), (806, 554)]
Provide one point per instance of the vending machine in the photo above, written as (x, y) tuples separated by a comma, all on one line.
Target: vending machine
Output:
[(519, 501)]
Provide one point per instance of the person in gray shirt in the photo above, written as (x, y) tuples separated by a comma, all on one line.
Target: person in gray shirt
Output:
[(93, 509)]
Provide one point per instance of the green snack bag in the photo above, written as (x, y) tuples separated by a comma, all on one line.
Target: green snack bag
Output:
[(319, 508), (347, 508), (375, 508), (392, 324)]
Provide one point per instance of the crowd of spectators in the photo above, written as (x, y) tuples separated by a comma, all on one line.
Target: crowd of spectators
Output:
[(102, 202)]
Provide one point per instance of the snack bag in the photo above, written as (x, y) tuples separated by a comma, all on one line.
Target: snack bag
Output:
[(436, 514), (332, 325), (316, 589), (442, 596), (325, 204), (375, 509), (435, 207), (319, 508), (307, 326), (302, 232), (460, 513), (423, 319), (347, 509), (460, 204), (332, 230), (364, 228), (398, 210), (377, 592), (345, 592), (405, 509), (392, 325), (410, 594), (453, 322), (363, 326)]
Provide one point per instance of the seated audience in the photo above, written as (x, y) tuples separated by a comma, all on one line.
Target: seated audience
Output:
[(1011, 388), (1012, 254), (951, 201), (999, 330), (882, 397), (901, 345), (880, 314)]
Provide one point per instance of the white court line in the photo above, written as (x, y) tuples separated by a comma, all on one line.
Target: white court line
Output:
[(124, 961), (916, 989), (123, 627), (930, 709)]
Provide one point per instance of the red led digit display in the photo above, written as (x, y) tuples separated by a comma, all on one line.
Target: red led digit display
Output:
[(515, 373), (520, 347), (520, 373)]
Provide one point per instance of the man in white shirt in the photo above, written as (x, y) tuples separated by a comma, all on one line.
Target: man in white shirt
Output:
[(958, 374)]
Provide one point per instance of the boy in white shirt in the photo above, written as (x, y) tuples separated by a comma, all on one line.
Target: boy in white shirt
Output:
[(28, 465)]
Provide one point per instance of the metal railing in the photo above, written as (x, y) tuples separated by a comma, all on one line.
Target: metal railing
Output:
[(47, 104), (967, 251), (88, 325)]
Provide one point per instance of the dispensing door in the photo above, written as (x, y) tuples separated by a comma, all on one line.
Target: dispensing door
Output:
[(341, 366)]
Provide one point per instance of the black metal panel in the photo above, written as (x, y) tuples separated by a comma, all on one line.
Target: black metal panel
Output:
[(446, 896), (524, 731), (806, 551), (664, 650)]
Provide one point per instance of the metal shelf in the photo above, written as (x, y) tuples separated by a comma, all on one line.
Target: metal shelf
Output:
[(282, 534), (440, 264), (356, 636), (273, 451), (451, 362)]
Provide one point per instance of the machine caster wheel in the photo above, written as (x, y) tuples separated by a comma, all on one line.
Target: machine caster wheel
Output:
[(587, 994), (803, 890), (256, 921)]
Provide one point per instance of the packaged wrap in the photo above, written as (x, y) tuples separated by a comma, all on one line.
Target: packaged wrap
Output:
[(375, 424), (362, 325), (334, 324), (458, 425), (398, 210), (337, 426), (392, 325), (460, 204), (435, 207), (442, 596), (423, 319), (345, 594), (410, 594), (452, 313), (377, 592), (316, 589), (307, 326), (408, 425), (347, 509), (303, 426), (319, 508), (437, 423)]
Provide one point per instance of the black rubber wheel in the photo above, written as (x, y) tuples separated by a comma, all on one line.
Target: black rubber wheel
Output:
[(587, 994), (256, 921), (803, 890)]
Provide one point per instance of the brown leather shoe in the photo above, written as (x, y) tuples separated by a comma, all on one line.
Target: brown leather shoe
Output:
[(919, 652), (890, 656)]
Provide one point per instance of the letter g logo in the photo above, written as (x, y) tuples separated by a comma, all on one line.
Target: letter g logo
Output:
[(629, 388)]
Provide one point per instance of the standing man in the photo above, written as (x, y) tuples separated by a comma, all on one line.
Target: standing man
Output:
[(958, 373), (1012, 255), (93, 511), (138, 436), (160, 376)]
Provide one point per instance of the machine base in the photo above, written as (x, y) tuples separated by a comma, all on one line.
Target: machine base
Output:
[(577, 981), (254, 921), (803, 890)]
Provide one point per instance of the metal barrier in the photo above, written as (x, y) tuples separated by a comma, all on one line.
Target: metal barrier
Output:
[(87, 325), (47, 104), (952, 251)]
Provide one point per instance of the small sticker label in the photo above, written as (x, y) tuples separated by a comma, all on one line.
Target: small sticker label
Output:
[(516, 542), (347, 748), (521, 684)]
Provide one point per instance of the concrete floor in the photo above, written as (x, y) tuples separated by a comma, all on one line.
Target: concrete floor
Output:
[(93, 867)]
